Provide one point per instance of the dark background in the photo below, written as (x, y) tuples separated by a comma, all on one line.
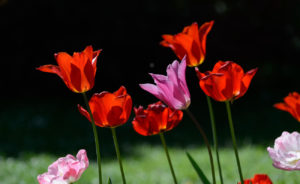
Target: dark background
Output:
[(38, 112)]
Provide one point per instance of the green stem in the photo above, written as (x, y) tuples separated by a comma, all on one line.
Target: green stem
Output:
[(113, 130), (234, 140), (194, 120), (214, 131), (163, 141), (95, 136)]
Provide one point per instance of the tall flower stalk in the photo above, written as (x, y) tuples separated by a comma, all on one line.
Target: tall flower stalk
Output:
[(95, 137), (234, 140), (215, 138), (197, 124), (113, 131), (163, 141)]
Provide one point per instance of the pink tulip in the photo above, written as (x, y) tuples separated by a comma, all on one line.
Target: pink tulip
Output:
[(65, 170), (286, 151), (171, 89)]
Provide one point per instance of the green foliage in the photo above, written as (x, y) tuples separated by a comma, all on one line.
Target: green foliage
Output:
[(147, 164)]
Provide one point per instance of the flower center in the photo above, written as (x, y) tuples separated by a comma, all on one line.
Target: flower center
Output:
[(293, 157)]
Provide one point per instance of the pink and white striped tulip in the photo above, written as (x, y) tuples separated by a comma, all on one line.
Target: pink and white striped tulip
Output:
[(65, 170), (171, 89), (286, 151)]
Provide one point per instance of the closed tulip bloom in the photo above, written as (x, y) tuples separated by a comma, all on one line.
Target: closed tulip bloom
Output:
[(227, 81), (109, 109), (77, 71), (155, 119), (191, 42), (65, 170), (258, 179), (291, 104), (171, 89), (286, 154)]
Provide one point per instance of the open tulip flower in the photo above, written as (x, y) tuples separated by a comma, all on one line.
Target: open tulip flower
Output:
[(77, 71), (226, 82), (65, 170), (191, 42), (258, 179), (155, 119), (171, 89), (291, 104), (109, 109), (285, 154)]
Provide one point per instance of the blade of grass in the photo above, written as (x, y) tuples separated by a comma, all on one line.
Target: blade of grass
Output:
[(198, 169)]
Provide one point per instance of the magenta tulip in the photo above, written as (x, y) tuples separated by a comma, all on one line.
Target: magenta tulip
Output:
[(171, 89)]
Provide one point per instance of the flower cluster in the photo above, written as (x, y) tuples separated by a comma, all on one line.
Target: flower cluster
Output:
[(226, 82)]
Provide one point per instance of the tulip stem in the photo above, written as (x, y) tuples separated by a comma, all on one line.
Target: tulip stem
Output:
[(95, 136), (113, 130), (163, 141), (214, 131), (194, 120), (234, 140)]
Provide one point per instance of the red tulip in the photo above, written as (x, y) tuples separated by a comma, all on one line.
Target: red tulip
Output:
[(191, 42), (77, 71), (155, 119), (258, 179), (291, 104), (227, 81), (109, 109)]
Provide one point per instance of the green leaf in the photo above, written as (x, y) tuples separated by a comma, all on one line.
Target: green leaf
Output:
[(198, 169), (109, 181)]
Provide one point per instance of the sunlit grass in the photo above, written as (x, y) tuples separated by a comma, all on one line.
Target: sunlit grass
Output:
[(147, 164)]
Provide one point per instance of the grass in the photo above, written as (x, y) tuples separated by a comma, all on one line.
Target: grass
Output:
[(147, 164)]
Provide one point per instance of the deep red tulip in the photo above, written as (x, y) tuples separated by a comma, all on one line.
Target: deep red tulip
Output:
[(191, 42), (291, 104), (227, 81), (155, 119), (109, 109), (258, 179), (77, 71)]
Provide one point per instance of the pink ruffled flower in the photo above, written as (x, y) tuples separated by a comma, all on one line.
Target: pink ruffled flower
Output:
[(171, 89), (65, 170), (286, 151)]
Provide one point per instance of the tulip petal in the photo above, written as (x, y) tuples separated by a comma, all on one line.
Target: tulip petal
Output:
[(178, 49), (89, 73), (246, 81), (76, 78), (51, 69), (64, 61), (203, 32), (154, 90), (84, 112)]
